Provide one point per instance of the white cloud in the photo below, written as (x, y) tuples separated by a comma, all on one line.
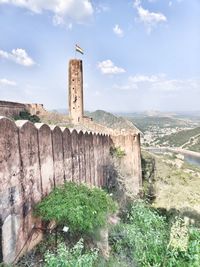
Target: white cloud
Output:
[(5, 82), (149, 19), (126, 87), (102, 8), (118, 31), (58, 20), (97, 93), (170, 3), (108, 67), (19, 56), (159, 83), (69, 26), (144, 78), (77, 10)]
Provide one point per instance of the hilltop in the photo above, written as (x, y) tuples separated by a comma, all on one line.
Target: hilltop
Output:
[(110, 120)]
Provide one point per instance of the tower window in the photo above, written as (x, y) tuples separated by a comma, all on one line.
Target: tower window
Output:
[(12, 195)]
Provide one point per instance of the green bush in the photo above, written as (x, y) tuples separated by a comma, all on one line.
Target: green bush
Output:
[(81, 208), (74, 257), (148, 239), (117, 152), (143, 238), (184, 246), (25, 115)]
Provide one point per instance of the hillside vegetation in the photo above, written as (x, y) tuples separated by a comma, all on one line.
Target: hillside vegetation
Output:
[(193, 144), (176, 185), (178, 139), (144, 123), (109, 120)]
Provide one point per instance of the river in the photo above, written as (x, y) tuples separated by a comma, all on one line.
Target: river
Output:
[(192, 159)]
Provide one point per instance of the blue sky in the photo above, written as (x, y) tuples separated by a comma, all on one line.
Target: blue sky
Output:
[(138, 55)]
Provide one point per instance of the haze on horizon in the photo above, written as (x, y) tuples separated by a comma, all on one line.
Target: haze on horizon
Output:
[(138, 55)]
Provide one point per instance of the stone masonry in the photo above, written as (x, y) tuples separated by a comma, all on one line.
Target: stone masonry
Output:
[(36, 158), (76, 90), (10, 109)]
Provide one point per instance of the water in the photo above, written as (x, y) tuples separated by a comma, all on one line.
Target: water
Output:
[(157, 150), (194, 160)]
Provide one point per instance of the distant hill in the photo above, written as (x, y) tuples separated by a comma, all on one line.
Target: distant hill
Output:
[(109, 120), (180, 138), (193, 144), (145, 123), (60, 110)]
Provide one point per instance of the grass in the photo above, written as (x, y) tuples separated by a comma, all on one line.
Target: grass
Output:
[(176, 189), (150, 239)]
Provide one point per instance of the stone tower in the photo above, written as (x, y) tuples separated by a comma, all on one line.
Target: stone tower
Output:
[(76, 90)]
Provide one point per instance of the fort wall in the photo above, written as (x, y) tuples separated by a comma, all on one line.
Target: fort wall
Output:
[(36, 158), (10, 109)]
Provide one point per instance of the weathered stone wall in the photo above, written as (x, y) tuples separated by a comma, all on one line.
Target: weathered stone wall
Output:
[(10, 109), (75, 90), (130, 163), (36, 158)]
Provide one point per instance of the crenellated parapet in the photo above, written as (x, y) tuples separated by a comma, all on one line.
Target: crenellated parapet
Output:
[(34, 158)]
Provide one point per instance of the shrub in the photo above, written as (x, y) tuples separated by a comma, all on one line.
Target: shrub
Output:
[(184, 246), (148, 239), (117, 152), (74, 257), (144, 238), (81, 208), (25, 115)]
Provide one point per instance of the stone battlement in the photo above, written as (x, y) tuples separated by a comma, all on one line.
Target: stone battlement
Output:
[(34, 158)]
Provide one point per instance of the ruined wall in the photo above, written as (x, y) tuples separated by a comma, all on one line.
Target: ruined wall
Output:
[(35, 109), (10, 109), (36, 158)]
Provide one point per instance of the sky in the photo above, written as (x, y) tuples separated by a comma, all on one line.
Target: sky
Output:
[(138, 55)]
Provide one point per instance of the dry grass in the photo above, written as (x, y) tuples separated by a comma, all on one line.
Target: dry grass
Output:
[(177, 188), (56, 118)]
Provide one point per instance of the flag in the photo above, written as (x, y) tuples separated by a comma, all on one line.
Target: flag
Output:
[(78, 49)]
